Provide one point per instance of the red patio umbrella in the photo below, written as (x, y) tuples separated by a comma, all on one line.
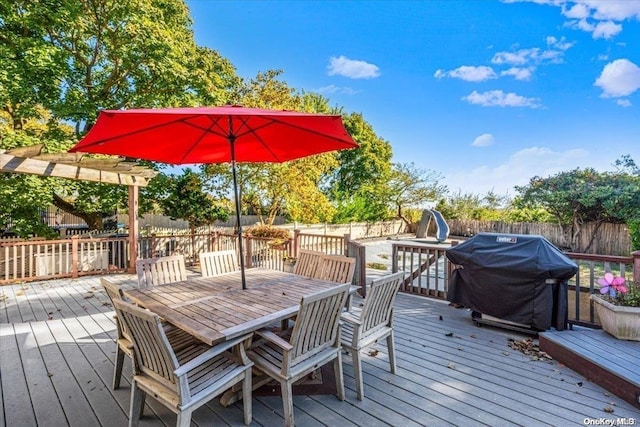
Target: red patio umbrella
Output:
[(215, 135)]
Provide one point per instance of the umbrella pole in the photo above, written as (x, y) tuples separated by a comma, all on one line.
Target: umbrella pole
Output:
[(237, 199)]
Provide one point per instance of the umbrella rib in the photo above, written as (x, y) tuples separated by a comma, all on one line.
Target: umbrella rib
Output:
[(253, 131), (146, 129), (202, 135)]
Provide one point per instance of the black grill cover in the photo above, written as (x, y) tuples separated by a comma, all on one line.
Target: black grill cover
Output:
[(515, 277)]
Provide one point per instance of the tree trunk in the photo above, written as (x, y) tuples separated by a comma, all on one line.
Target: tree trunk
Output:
[(93, 219), (402, 217)]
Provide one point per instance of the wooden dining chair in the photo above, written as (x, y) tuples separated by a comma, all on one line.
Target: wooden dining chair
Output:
[(218, 262), (372, 323), (181, 380), (158, 271), (308, 263), (313, 342), (336, 268), (124, 346)]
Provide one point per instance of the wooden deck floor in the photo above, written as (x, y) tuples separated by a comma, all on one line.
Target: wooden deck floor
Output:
[(56, 364)]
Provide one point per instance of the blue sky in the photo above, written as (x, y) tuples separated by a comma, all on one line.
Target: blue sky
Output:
[(486, 93)]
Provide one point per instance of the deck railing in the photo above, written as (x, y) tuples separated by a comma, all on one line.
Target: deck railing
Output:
[(73, 257), (428, 271), (47, 259)]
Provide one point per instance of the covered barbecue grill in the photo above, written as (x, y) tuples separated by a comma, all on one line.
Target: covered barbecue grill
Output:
[(516, 278)]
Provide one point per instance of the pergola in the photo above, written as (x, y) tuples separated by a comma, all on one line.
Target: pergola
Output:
[(77, 166)]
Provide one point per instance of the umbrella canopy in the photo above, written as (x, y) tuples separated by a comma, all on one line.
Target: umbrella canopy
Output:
[(205, 134), (215, 135)]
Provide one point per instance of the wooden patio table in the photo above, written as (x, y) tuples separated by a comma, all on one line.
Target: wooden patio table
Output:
[(215, 309)]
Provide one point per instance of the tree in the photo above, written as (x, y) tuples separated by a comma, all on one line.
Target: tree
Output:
[(359, 186), (187, 199), (291, 188), (62, 62), (584, 195), (412, 186)]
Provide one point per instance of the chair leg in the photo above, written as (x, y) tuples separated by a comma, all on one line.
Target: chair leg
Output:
[(184, 418), (392, 352), (137, 400), (117, 370), (287, 402), (339, 374), (246, 397), (357, 373)]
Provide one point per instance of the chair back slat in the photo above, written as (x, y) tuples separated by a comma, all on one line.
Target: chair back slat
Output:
[(158, 271), (153, 352), (337, 268), (115, 293), (317, 322), (378, 304), (308, 263), (218, 262)]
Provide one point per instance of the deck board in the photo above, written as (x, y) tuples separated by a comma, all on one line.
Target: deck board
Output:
[(488, 384)]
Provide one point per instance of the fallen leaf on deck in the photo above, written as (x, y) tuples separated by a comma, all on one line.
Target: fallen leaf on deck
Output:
[(88, 296), (448, 334), (451, 365), (3, 297), (530, 348), (19, 293), (608, 409), (373, 353)]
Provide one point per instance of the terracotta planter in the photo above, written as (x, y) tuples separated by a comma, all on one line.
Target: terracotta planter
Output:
[(620, 321)]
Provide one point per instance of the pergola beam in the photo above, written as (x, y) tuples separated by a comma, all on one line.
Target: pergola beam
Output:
[(12, 163), (30, 160)]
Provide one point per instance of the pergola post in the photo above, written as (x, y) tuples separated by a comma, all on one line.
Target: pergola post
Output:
[(133, 227)]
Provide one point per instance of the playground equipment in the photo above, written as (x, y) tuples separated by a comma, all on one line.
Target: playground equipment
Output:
[(442, 228)]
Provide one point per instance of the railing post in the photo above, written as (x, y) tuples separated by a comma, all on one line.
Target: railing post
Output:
[(449, 264), (74, 256), (394, 258), (154, 252), (347, 239), (636, 266), (296, 243), (248, 249)]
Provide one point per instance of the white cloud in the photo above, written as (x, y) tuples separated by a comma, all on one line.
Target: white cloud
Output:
[(606, 30), (619, 78), (484, 140), (607, 14), (577, 11), (534, 55), (468, 73), (623, 102), (337, 90), (352, 68), (518, 169), (561, 44), (518, 73), (497, 98), (617, 10)]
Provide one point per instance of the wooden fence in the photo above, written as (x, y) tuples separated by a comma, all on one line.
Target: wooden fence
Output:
[(612, 239)]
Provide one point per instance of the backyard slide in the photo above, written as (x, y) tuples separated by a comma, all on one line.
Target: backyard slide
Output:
[(442, 228)]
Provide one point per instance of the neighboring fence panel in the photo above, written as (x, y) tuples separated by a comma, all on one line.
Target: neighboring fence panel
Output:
[(609, 238)]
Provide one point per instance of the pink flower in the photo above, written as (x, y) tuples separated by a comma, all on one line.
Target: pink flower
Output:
[(612, 285)]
